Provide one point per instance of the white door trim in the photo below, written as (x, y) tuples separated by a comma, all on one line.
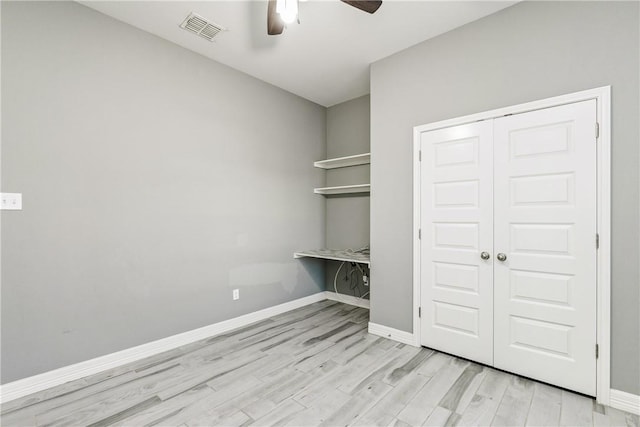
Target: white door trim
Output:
[(602, 95)]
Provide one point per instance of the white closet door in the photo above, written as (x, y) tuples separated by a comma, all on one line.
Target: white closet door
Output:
[(545, 225), (457, 221)]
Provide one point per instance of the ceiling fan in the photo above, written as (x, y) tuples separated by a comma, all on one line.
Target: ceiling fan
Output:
[(281, 12)]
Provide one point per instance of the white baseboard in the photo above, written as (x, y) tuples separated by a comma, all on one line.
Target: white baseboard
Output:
[(347, 299), (29, 385), (394, 334), (624, 401)]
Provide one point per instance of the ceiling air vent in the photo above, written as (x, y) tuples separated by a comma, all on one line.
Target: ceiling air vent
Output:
[(200, 26)]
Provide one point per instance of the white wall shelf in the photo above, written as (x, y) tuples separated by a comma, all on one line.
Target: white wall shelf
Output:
[(344, 189), (343, 162), (335, 255)]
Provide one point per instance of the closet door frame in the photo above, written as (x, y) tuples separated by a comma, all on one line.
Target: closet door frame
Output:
[(602, 95)]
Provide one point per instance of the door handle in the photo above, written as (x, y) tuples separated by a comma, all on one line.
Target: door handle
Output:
[(501, 257), (485, 255)]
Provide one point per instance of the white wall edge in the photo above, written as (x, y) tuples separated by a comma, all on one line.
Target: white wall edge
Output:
[(348, 299), (33, 384), (624, 401), (393, 334)]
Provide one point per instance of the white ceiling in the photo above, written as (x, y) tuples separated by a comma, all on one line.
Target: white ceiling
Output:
[(325, 58)]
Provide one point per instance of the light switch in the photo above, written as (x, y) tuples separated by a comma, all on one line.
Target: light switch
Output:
[(11, 201)]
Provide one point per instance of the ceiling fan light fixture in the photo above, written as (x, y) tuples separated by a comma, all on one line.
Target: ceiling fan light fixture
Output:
[(288, 10)]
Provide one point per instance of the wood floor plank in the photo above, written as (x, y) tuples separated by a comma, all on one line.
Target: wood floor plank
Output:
[(545, 406), (118, 416), (260, 368), (303, 314), (253, 398), (344, 314), (576, 410), (107, 403), (434, 363), (471, 391), (312, 338), (225, 347), (22, 418), (319, 409), (373, 418), (396, 357), (272, 398), (231, 418), (357, 405), (461, 392), (316, 365), (355, 349), (205, 374), (165, 408), (253, 327), (362, 316), (438, 418), (52, 397), (398, 423), (269, 384), (480, 411), (616, 417), (334, 313), (494, 384), (427, 399), (395, 376), (319, 388), (280, 415), (601, 420), (41, 396), (515, 404), (307, 363), (353, 329), (60, 399), (621, 418), (192, 410), (395, 401)]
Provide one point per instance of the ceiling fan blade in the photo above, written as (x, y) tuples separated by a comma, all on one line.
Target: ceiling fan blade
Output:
[(275, 25), (369, 6)]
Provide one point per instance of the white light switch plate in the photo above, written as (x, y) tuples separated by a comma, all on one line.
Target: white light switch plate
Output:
[(11, 201)]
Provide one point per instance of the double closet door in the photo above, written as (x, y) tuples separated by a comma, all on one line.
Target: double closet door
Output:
[(508, 246)]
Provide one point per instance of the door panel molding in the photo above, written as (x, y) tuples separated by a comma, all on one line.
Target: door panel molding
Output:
[(553, 194), (548, 342), (457, 226)]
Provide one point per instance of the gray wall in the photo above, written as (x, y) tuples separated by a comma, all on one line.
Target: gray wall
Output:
[(154, 182), (530, 51), (347, 216)]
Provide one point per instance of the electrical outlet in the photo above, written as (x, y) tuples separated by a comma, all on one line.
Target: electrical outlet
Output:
[(236, 294), (11, 201)]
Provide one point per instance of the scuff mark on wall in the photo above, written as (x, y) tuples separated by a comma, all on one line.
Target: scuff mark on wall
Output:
[(285, 274)]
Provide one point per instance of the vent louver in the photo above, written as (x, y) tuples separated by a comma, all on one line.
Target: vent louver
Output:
[(200, 26)]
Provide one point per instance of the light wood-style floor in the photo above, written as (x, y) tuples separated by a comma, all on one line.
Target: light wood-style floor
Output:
[(313, 366)]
